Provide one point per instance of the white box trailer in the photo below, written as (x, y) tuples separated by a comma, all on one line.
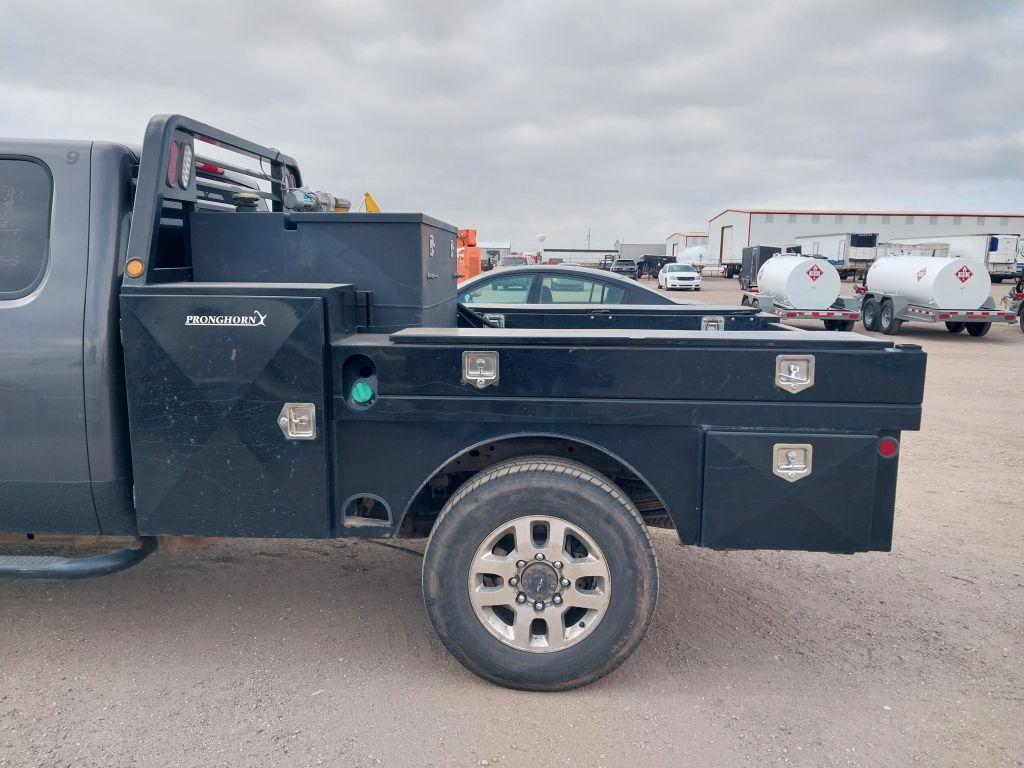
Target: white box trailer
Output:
[(997, 254), (851, 253), (886, 250)]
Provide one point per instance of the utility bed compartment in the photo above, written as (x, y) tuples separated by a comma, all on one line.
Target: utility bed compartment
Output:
[(209, 368), (406, 260), (824, 502)]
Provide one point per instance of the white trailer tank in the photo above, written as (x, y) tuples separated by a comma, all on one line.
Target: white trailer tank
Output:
[(694, 254), (931, 281), (800, 282)]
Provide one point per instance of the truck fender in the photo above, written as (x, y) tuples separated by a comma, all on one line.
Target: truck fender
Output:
[(563, 441)]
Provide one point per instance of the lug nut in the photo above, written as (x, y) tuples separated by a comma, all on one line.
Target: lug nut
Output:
[(559, 564), (557, 599), (512, 581), (520, 598), (565, 582), (521, 564), (538, 606), (539, 556)]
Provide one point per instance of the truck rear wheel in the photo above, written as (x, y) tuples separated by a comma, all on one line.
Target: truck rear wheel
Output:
[(955, 327), (869, 314), (888, 323), (978, 329), (540, 575)]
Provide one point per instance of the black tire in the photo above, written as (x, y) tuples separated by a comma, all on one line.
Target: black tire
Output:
[(978, 329), (697, 288), (1020, 318), (955, 327), (869, 314), (830, 325), (888, 323), (745, 301), (542, 486), (845, 325), (659, 285)]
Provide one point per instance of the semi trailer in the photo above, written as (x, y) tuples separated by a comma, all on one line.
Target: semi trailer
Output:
[(851, 253), (186, 357), (996, 254)]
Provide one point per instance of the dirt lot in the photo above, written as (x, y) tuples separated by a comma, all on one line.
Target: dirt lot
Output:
[(304, 654)]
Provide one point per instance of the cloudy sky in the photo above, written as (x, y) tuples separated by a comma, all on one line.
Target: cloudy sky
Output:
[(631, 120)]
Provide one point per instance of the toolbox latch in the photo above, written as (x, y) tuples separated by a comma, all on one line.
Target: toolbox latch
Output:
[(298, 421)]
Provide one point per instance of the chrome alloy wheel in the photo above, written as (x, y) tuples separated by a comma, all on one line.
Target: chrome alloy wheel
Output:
[(539, 584)]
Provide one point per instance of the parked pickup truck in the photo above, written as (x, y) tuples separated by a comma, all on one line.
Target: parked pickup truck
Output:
[(179, 362)]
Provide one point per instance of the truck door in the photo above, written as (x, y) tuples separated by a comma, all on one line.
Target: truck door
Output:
[(44, 231)]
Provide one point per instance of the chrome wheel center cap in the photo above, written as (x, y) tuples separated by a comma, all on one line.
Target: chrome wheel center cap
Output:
[(539, 581)]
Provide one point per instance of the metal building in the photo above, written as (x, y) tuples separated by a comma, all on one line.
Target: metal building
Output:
[(677, 241), (734, 229)]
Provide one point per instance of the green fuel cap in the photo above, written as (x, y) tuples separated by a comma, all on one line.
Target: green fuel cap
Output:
[(362, 392)]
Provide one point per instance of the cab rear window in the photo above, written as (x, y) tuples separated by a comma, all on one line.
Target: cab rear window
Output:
[(25, 194)]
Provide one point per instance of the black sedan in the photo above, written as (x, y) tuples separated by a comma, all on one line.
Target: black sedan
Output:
[(555, 284)]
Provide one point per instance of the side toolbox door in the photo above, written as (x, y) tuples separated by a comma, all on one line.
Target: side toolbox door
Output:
[(44, 235), (210, 378), (813, 492)]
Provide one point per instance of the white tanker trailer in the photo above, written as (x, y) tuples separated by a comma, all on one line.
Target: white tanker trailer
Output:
[(796, 287), (929, 289)]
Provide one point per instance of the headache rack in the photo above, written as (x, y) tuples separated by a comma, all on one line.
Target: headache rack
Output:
[(173, 180)]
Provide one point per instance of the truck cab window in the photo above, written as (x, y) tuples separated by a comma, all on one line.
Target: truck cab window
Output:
[(25, 193)]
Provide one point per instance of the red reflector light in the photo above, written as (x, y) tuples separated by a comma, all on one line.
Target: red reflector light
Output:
[(943, 317), (210, 168), (888, 447), (173, 156)]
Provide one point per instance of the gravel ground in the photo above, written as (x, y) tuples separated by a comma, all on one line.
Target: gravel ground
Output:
[(267, 653)]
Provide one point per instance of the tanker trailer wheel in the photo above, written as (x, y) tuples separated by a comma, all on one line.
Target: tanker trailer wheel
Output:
[(540, 575), (978, 329), (869, 314), (955, 327), (845, 325), (1020, 318), (888, 323)]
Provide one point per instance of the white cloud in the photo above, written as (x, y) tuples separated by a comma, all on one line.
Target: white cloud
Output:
[(631, 120)]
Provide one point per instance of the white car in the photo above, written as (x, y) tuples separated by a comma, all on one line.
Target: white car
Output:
[(683, 276)]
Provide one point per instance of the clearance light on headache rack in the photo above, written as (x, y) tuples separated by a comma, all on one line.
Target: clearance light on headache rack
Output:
[(133, 268), (173, 156), (185, 172)]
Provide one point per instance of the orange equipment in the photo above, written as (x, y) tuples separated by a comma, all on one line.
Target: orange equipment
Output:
[(468, 255)]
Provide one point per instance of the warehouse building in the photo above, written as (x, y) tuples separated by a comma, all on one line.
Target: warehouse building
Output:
[(734, 229), (677, 241)]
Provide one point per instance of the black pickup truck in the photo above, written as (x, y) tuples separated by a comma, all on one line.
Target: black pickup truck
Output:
[(187, 356)]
